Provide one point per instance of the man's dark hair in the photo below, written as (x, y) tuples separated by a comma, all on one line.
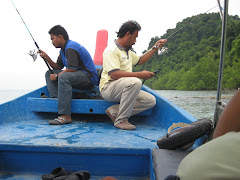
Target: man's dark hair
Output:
[(129, 26), (59, 30)]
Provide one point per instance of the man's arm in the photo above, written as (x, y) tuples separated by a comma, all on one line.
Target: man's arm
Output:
[(49, 60), (229, 118), (146, 56), (53, 76), (141, 74), (72, 56)]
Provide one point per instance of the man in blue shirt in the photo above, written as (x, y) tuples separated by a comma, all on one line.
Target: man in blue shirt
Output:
[(79, 72)]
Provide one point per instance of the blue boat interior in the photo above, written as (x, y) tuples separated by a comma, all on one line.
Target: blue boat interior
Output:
[(29, 146)]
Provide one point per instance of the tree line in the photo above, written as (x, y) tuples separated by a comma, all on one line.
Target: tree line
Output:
[(192, 62)]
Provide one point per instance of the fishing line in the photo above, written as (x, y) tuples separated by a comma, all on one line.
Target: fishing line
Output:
[(189, 23), (164, 50), (32, 53)]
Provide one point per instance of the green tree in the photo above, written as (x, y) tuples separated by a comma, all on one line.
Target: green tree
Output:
[(194, 53)]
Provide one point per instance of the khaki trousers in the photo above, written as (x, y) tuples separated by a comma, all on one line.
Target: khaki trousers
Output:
[(127, 91)]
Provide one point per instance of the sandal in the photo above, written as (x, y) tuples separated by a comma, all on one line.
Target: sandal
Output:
[(80, 175), (59, 121), (55, 173)]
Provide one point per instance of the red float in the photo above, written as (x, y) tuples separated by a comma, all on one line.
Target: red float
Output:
[(101, 44)]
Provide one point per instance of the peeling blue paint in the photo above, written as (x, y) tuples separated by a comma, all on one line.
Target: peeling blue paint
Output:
[(29, 146)]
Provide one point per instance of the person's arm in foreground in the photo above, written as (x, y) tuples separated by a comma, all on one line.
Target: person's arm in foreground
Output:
[(229, 120)]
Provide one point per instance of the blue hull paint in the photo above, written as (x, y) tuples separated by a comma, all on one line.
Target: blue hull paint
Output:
[(29, 146)]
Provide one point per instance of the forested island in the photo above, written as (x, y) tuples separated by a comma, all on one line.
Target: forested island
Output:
[(192, 62)]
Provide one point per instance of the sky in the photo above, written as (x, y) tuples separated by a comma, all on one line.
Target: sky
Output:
[(82, 20)]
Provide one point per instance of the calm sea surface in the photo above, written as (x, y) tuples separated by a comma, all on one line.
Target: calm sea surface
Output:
[(7, 95), (201, 104)]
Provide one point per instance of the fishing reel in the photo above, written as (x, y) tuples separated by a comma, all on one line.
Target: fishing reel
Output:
[(33, 54), (162, 51)]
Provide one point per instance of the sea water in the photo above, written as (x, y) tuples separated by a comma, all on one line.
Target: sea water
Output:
[(8, 95), (200, 104)]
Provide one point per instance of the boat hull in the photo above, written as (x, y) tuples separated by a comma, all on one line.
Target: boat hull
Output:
[(29, 146)]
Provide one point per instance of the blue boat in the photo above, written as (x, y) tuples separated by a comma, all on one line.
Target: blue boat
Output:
[(30, 147)]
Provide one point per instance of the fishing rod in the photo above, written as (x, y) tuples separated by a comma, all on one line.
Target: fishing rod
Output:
[(32, 53), (220, 9)]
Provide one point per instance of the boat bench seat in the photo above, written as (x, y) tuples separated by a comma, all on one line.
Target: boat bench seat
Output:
[(83, 106), (93, 90), (166, 162)]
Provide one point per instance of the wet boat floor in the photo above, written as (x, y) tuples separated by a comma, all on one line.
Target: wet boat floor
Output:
[(79, 134)]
